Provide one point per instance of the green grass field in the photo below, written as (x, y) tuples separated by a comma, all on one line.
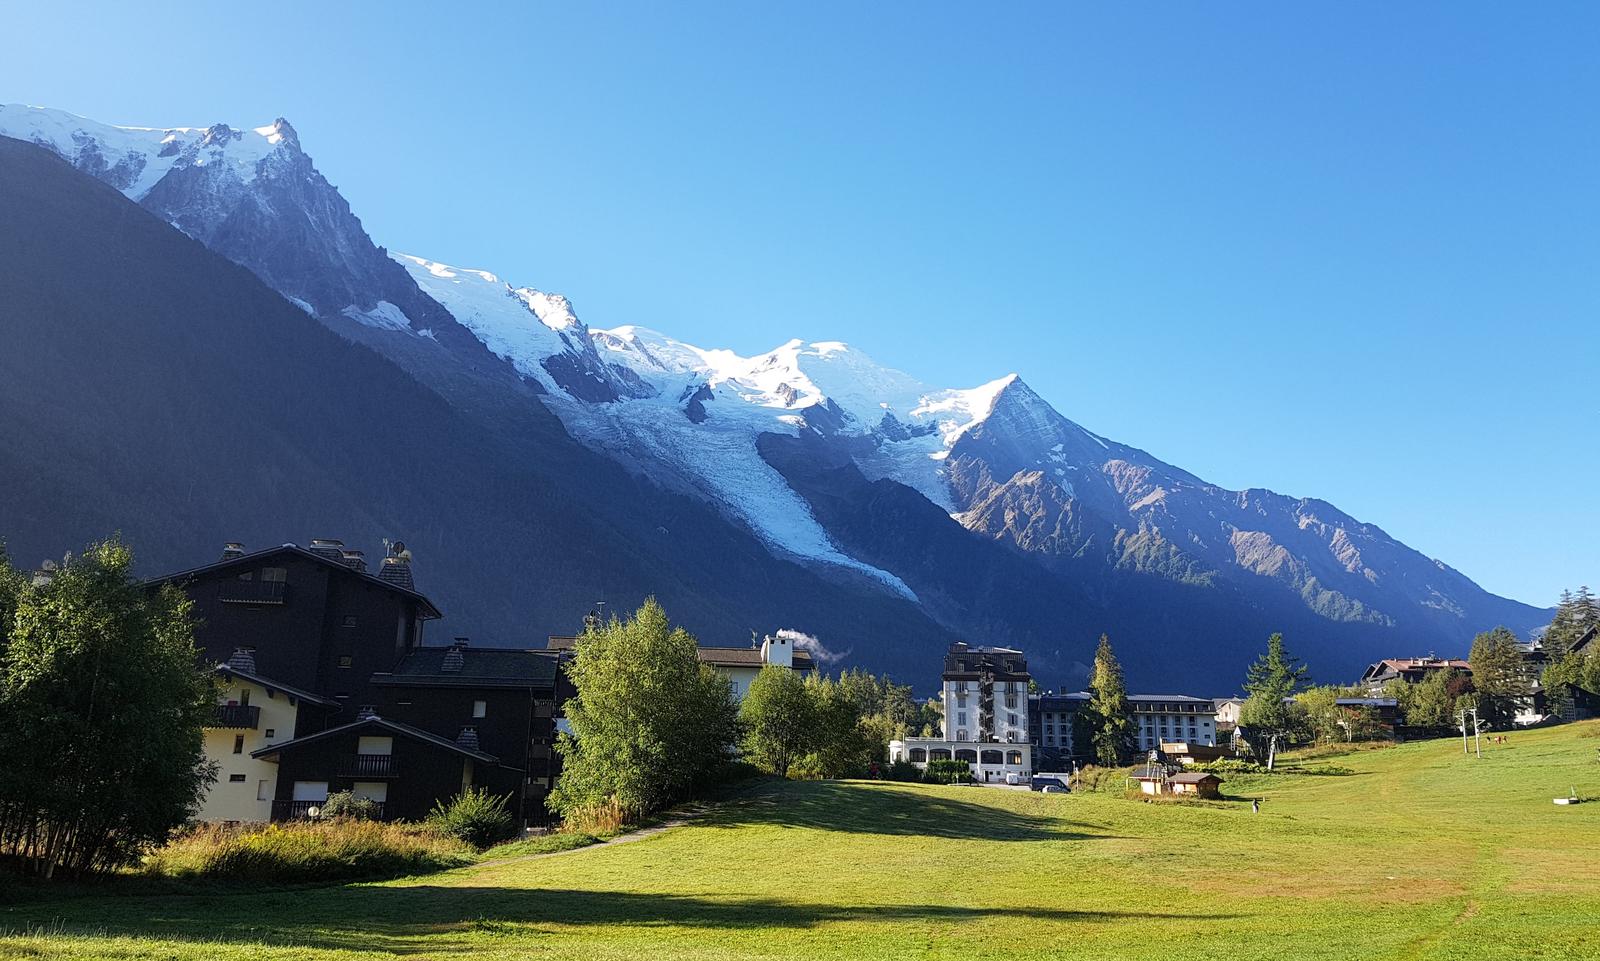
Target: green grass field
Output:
[(1418, 853)]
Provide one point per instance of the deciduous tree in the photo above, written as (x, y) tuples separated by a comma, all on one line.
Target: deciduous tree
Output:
[(780, 720), (649, 722), (102, 705)]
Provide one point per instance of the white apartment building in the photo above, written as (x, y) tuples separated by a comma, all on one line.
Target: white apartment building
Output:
[(1172, 718), (985, 695)]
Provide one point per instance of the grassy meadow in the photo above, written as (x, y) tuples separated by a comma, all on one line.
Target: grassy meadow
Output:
[(1408, 852)]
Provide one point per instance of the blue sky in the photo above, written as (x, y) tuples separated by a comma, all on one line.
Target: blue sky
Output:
[(1347, 251)]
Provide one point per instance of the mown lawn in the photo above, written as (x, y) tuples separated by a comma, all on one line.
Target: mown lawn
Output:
[(1418, 853)]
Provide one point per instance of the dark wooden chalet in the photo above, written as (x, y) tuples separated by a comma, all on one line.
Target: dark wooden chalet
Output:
[(403, 769), (508, 698), (314, 618)]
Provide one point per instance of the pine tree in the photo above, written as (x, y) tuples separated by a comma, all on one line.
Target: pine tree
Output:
[(1499, 674), (1108, 707), (1271, 681), (1276, 673)]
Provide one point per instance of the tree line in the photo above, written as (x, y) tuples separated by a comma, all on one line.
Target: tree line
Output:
[(651, 725)]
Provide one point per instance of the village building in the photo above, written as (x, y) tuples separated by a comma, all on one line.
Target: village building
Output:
[(1053, 726), (325, 685), (1412, 670), (252, 713), (986, 707), (1172, 718), (1196, 783)]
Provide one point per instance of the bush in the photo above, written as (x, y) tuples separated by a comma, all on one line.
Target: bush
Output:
[(344, 804), (808, 768), (1229, 765), (902, 771), (948, 772), (299, 851), (476, 817)]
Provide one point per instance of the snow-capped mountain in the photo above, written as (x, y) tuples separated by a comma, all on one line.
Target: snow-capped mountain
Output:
[(948, 498)]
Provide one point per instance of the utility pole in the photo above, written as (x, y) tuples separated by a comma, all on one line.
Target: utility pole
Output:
[(1477, 731)]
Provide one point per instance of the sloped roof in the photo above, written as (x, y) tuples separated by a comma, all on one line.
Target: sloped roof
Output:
[(480, 667), (381, 723), (223, 670), (1194, 777), (429, 611)]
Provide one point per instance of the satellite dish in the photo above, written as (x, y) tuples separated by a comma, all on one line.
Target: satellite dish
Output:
[(314, 812)]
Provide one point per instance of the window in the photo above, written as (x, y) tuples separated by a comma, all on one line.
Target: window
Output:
[(349, 620), (961, 735), (244, 697), (238, 744), (275, 574), (1011, 719), (236, 778), (271, 732), (961, 717), (345, 660), (375, 745), (479, 708), (311, 790)]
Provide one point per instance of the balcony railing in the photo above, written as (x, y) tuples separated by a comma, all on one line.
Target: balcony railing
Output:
[(368, 765), (301, 810), (253, 592), (246, 716)]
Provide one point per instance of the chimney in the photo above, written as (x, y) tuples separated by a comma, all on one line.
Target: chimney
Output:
[(367, 712), (355, 560), (330, 547), (45, 574), (396, 567), (453, 658), (231, 550), (468, 738), (243, 660)]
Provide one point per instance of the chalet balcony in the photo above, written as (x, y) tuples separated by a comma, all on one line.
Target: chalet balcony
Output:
[(301, 810), (253, 592), (245, 717), (368, 766)]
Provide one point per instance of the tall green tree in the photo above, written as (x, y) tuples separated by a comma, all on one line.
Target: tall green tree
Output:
[(1499, 674), (841, 744), (649, 722), (1268, 712), (102, 706), (1111, 728), (779, 719), (1576, 613)]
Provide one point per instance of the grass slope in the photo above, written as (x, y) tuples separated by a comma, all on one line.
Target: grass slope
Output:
[(1419, 853)]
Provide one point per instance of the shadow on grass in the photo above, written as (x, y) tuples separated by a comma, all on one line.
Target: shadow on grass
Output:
[(436, 919), (911, 811)]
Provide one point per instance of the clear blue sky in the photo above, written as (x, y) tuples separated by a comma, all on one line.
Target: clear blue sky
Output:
[(1348, 251)]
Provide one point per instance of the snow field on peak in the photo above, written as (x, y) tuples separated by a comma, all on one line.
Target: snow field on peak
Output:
[(146, 153)]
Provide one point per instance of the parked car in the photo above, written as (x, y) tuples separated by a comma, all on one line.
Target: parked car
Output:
[(1053, 783)]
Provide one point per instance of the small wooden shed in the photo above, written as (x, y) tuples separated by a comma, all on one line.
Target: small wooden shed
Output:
[(1198, 783)]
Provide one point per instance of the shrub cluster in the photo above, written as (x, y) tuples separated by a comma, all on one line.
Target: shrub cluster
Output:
[(949, 772), (475, 817), (1229, 765), (333, 850)]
